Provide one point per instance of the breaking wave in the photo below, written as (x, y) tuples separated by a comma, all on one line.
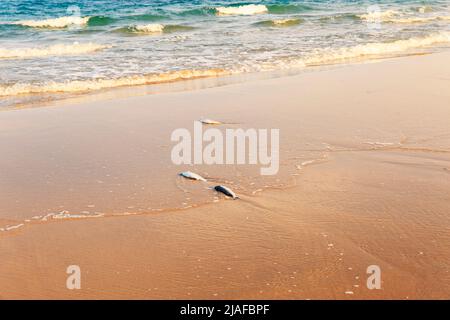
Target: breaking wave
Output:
[(154, 28), (62, 22), (148, 28), (249, 9), (54, 50)]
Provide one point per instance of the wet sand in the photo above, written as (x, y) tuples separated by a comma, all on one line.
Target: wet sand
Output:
[(364, 180)]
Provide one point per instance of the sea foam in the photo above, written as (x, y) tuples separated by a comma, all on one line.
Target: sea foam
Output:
[(379, 15), (392, 16), (249, 9), (356, 53), (375, 49), (103, 83), (318, 57), (54, 50), (61, 22), (410, 20)]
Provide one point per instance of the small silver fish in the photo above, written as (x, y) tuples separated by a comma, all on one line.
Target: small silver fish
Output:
[(192, 176), (226, 191), (210, 121)]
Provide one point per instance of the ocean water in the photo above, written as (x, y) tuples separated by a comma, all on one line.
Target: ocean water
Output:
[(55, 47)]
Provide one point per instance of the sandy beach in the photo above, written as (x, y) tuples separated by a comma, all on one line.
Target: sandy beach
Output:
[(364, 180)]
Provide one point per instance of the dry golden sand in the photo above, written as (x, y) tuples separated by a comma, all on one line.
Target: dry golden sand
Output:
[(378, 193)]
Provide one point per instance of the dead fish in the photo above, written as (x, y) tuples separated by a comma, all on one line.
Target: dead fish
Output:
[(226, 191), (192, 176), (210, 121)]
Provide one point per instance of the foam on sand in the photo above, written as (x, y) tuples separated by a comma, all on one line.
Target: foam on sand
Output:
[(249, 9), (17, 226), (67, 215), (62, 22), (54, 50), (97, 84)]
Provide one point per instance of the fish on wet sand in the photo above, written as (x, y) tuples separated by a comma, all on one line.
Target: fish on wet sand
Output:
[(192, 176), (210, 121), (226, 191)]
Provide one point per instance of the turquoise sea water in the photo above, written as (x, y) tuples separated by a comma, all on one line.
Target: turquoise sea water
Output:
[(49, 47)]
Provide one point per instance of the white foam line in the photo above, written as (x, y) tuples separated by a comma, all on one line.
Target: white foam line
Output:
[(97, 84), (14, 227), (53, 50)]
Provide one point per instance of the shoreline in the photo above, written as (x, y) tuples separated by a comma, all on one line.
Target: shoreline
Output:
[(221, 78), (372, 201)]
